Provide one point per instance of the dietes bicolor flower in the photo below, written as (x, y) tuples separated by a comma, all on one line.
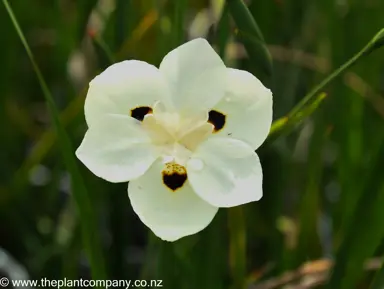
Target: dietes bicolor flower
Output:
[(184, 135)]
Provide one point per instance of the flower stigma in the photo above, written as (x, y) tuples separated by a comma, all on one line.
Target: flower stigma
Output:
[(176, 135)]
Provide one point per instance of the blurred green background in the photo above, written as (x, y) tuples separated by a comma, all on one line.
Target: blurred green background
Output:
[(320, 223)]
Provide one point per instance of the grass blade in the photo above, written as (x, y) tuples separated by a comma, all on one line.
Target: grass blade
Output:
[(312, 100), (237, 245), (365, 231), (285, 124), (91, 240), (104, 52), (250, 35), (223, 32), (122, 21), (178, 21), (309, 244), (376, 42), (85, 8)]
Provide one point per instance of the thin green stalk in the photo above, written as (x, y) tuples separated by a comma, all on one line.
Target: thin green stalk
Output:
[(309, 244), (223, 32), (364, 232), (313, 99), (103, 46), (122, 21), (250, 35), (91, 239), (376, 42), (84, 9), (178, 23), (237, 235), (285, 124)]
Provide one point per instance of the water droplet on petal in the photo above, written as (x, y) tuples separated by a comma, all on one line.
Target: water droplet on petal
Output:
[(195, 164), (168, 159)]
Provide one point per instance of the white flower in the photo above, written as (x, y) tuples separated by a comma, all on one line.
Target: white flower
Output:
[(183, 135)]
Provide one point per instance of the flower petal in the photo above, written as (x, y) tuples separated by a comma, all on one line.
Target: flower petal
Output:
[(226, 172), (171, 215), (196, 75), (123, 87), (247, 107), (117, 149)]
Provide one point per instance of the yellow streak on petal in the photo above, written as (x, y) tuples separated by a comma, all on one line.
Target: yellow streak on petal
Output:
[(193, 138), (159, 135)]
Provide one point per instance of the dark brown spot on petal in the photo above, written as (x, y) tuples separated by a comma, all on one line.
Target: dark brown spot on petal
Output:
[(174, 176), (217, 119), (140, 112)]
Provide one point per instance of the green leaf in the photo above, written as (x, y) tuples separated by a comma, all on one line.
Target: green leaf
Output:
[(122, 21), (250, 35), (376, 42), (91, 239), (84, 9), (312, 100), (222, 36), (104, 52), (237, 246), (310, 203), (286, 124), (180, 7), (365, 231)]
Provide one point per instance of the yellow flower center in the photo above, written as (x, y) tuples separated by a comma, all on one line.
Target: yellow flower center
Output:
[(176, 134)]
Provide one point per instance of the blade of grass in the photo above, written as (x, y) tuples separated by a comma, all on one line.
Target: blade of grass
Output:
[(361, 241), (310, 202), (48, 139), (365, 231), (91, 239), (223, 32), (311, 100), (144, 26), (284, 124), (122, 20), (237, 246), (178, 21), (84, 11), (105, 52), (246, 24), (376, 42)]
